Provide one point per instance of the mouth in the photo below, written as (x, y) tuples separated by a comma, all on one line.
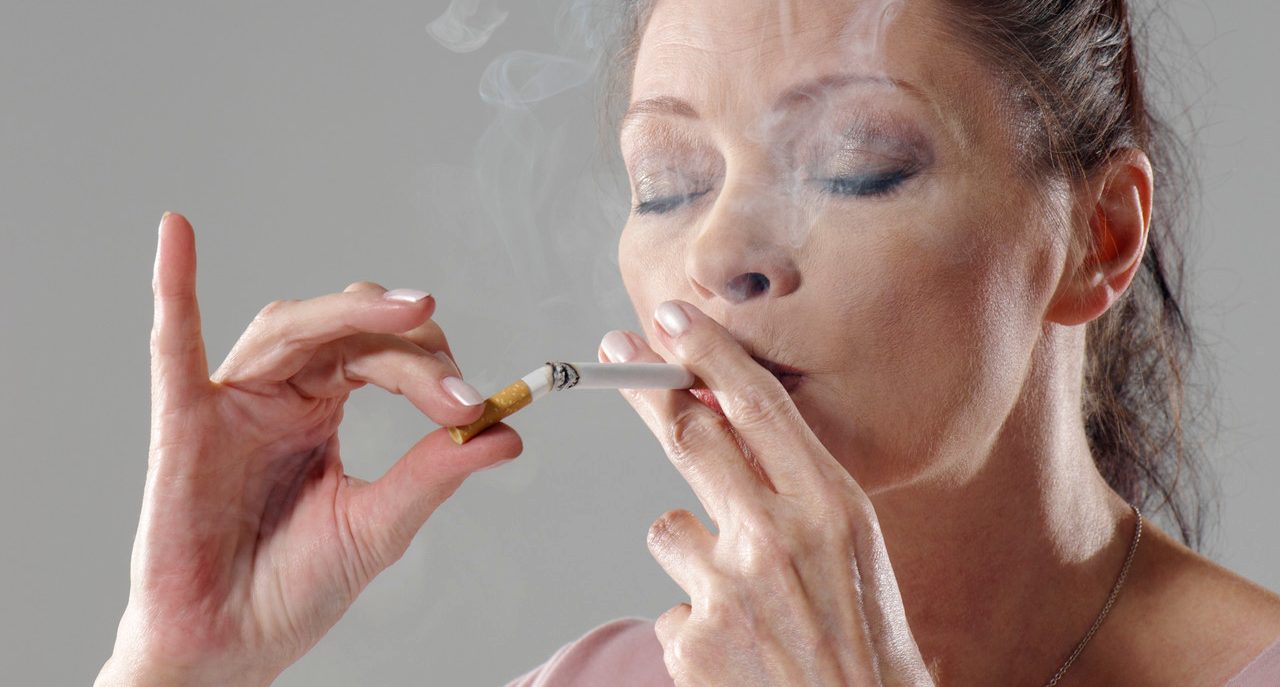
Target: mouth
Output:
[(788, 376)]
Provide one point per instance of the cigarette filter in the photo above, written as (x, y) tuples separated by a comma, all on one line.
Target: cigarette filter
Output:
[(557, 376)]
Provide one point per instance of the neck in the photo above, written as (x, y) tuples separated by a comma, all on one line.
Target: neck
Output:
[(1006, 570)]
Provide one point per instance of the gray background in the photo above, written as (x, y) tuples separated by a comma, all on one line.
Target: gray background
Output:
[(314, 144)]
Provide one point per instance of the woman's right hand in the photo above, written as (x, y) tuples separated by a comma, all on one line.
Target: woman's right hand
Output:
[(252, 541)]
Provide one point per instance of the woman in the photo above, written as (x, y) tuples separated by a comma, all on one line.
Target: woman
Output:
[(910, 249)]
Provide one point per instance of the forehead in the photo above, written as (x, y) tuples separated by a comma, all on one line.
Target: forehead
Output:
[(736, 58)]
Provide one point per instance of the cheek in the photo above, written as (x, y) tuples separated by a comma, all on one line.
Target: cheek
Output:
[(650, 265), (953, 309), (937, 325)]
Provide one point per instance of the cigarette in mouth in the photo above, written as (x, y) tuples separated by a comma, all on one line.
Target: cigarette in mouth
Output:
[(557, 376)]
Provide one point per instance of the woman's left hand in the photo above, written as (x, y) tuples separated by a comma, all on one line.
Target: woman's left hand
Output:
[(796, 587)]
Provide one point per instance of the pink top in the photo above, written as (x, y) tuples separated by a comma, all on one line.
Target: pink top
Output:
[(1263, 671), (620, 653), (626, 653)]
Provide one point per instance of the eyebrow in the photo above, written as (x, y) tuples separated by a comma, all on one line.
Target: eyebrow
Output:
[(661, 105), (793, 97)]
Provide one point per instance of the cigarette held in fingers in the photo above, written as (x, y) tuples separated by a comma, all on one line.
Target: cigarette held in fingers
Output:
[(557, 376)]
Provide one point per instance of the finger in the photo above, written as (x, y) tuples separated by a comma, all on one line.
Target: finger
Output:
[(755, 402), (399, 366), (427, 335), (386, 514), (699, 442), (364, 286), (684, 548), (285, 334), (179, 369), (668, 625)]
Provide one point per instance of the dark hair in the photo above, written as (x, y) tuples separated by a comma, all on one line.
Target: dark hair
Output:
[(1075, 64)]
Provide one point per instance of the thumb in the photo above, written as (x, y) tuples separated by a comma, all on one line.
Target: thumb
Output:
[(386, 514), (179, 370)]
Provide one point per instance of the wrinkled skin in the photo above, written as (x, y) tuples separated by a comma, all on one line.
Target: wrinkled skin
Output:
[(253, 541), (922, 508), (836, 187)]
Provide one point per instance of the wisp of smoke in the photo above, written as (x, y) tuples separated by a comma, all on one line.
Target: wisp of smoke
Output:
[(521, 78), (466, 25)]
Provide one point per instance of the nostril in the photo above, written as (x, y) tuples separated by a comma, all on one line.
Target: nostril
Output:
[(749, 285)]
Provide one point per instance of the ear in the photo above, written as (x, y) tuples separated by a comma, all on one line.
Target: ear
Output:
[(1119, 209)]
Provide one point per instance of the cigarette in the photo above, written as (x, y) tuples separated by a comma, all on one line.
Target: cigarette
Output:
[(557, 376)]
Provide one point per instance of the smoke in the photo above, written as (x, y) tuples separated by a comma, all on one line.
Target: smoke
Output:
[(519, 79), (466, 25), (527, 219), (532, 219), (782, 197), (863, 36)]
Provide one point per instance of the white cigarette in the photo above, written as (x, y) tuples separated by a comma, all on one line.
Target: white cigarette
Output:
[(558, 376)]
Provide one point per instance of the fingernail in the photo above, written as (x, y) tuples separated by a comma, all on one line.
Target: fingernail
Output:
[(617, 345), (500, 463), (671, 318), (405, 295), (465, 393), (444, 358)]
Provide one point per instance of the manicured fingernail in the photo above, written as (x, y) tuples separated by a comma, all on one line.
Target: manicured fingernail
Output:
[(672, 318), (444, 358), (405, 295), (617, 345), (465, 393)]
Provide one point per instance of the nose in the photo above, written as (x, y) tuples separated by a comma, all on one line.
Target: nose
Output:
[(741, 252)]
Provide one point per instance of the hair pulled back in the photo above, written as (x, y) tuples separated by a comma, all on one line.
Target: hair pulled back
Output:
[(1076, 64)]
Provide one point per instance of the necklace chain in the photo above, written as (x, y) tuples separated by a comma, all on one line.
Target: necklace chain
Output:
[(1111, 600)]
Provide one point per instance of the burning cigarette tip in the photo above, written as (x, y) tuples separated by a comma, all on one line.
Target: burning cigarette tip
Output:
[(558, 376)]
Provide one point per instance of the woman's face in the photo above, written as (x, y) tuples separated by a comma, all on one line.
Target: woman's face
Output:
[(836, 183)]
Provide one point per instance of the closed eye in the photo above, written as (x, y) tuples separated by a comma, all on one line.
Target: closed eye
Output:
[(665, 204), (866, 185)]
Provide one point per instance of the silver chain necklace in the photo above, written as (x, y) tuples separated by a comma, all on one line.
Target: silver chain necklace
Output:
[(1111, 600)]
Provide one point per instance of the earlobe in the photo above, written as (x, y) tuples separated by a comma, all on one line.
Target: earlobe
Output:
[(1117, 238)]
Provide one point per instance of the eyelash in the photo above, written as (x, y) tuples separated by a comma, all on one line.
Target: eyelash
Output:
[(870, 186), (665, 204)]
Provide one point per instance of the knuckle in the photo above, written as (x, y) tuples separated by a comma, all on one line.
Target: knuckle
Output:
[(670, 615), (679, 651), (839, 503), (832, 527), (763, 550), (659, 536), (691, 432), (702, 352), (665, 532), (755, 405), (707, 351), (273, 310), (363, 286), (763, 546), (718, 609), (844, 518)]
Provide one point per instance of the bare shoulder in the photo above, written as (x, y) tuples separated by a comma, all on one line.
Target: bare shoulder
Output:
[(1185, 620)]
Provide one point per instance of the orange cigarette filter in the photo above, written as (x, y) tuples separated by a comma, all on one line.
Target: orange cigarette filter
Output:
[(498, 406)]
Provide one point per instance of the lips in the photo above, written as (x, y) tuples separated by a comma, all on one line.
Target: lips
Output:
[(708, 399), (789, 376)]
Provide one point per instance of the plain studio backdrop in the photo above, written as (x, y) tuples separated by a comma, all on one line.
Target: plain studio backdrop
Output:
[(316, 144)]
